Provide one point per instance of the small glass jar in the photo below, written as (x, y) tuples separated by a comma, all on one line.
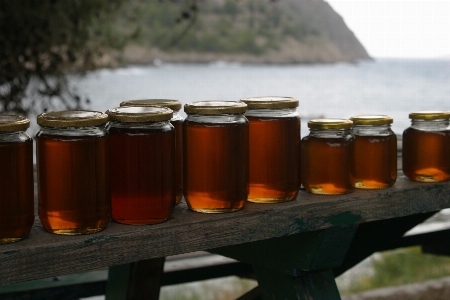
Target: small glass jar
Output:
[(426, 147), (16, 179), (274, 145), (73, 171), (326, 157), (215, 147), (374, 161), (177, 122), (142, 164)]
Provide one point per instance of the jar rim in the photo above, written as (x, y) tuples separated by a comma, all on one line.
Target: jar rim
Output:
[(429, 115), (215, 107), (172, 104), (72, 118), (270, 102), (13, 123), (372, 120), (330, 123), (136, 114)]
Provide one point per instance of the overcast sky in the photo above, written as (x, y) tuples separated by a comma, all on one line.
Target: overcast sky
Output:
[(399, 28)]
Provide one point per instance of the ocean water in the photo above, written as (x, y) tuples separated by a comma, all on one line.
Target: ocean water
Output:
[(394, 87)]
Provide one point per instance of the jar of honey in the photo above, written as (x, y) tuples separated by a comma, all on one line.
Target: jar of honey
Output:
[(326, 157), (142, 164), (274, 145), (177, 122), (16, 179), (426, 146), (73, 171), (215, 147), (374, 162)]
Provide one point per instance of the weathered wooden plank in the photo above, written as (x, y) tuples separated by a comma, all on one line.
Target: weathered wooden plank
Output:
[(44, 255)]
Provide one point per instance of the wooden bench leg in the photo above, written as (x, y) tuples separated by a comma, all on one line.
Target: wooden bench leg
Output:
[(308, 286), (139, 280)]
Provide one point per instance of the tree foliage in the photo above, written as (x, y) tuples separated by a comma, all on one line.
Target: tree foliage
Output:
[(42, 40)]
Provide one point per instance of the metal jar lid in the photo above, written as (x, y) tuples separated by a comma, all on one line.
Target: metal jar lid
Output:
[(330, 124), (172, 104), (371, 120), (215, 107), (135, 114), (72, 118), (13, 123), (270, 102), (430, 115)]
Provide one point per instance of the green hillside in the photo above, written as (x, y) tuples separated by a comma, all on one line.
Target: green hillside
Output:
[(246, 30)]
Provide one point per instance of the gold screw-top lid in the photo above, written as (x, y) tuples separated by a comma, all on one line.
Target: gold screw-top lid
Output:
[(429, 115), (215, 107), (72, 118), (270, 102), (330, 124), (134, 114), (371, 120), (12, 123), (172, 104)]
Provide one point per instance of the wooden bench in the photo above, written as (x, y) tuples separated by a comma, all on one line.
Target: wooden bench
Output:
[(295, 248)]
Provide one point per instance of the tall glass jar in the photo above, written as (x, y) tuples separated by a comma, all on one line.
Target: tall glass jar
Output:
[(73, 171), (16, 179), (426, 147), (326, 157), (142, 164), (215, 136), (374, 161), (177, 122), (274, 145)]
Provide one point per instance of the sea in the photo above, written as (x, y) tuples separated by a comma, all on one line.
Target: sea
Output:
[(393, 87)]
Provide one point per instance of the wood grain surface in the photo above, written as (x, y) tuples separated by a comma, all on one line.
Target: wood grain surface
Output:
[(43, 255)]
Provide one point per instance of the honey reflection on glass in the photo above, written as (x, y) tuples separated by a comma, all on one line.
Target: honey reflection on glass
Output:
[(326, 165), (142, 175), (426, 155), (374, 163), (74, 183), (274, 146), (215, 166), (16, 191)]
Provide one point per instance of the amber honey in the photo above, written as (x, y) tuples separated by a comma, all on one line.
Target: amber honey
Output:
[(274, 157), (216, 161), (274, 144), (142, 164), (375, 162), (426, 146), (177, 122), (16, 179), (426, 155), (326, 157), (74, 185), (73, 172)]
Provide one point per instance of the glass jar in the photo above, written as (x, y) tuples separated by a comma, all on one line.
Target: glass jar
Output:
[(374, 161), (142, 164), (177, 122), (16, 179), (215, 137), (326, 156), (426, 147), (274, 147), (73, 171)]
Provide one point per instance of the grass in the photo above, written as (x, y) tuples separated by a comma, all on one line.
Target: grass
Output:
[(217, 289), (398, 267)]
